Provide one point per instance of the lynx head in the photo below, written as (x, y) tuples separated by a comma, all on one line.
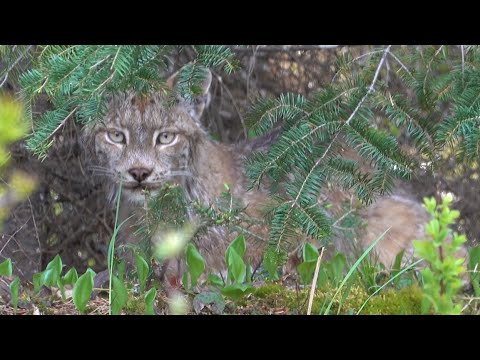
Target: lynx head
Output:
[(146, 141)]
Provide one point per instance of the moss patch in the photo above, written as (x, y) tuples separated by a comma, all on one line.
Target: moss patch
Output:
[(406, 301)]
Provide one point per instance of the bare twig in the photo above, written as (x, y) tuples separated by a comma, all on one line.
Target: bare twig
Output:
[(12, 236), (234, 104), (251, 65), (314, 282), (35, 225)]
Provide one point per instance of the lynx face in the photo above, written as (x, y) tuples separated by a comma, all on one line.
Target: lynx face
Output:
[(146, 143)]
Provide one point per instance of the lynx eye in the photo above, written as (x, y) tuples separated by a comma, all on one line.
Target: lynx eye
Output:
[(166, 138), (116, 137)]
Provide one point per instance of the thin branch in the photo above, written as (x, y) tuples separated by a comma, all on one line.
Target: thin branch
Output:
[(35, 225), (4, 80), (15, 63), (219, 78), (13, 236), (343, 217), (285, 48), (400, 63), (356, 59), (61, 124)]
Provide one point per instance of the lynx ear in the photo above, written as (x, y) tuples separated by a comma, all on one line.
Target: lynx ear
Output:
[(200, 102)]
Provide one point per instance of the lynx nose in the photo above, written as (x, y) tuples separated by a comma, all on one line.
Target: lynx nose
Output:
[(140, 174)]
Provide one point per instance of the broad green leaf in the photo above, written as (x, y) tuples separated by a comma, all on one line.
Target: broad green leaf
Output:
[(83, 290), (150, 301), (195, 263), (310, 252), (142, 271), (238, 245), (248, 274), (14, 286), (51, 275), (236, 267), (236, 291), (185, 278), (55, 264), (37, 281), (70, 277), (119, 296), (322, 277), (337, 265), (306, 270), (6, 268), (215, 280)]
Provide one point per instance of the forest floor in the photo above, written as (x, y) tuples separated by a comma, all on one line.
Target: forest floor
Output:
[(272, 298)]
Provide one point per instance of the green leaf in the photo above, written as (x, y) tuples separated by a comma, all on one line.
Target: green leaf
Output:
[(237, 270), (14, 287), (195, 263), (51, 275), (433, 227), (37, 281), (248, 275), (185, 278), (119, 296), (337, 265), (142, 271), (306, 270), (215, 280), (310, 252), (83, 290), (322, 277), (70, 277), (237, 291), (474, 261), (6, 268), (150, 301), (238, 245)]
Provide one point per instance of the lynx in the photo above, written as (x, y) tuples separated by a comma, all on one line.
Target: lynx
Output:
[(147, 144)]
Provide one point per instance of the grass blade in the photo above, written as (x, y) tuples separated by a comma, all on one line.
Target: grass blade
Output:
[(388, 282), (352, 269)]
